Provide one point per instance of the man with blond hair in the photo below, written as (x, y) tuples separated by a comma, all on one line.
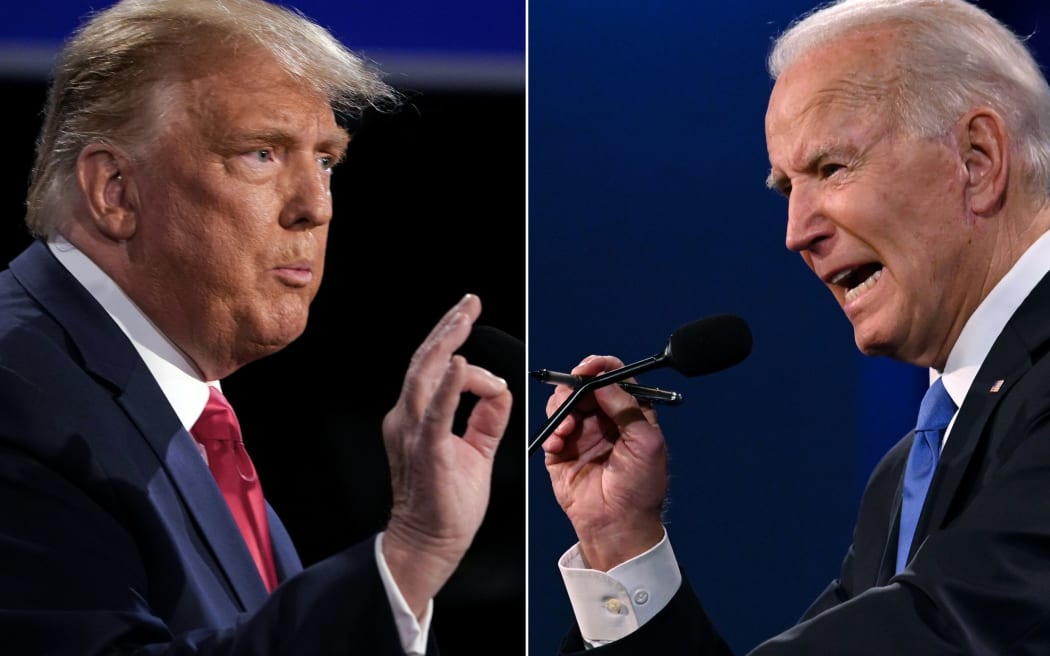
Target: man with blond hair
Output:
[(180, 202)]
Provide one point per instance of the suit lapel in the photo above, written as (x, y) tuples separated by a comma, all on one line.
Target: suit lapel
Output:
[(887, 565), (109, 355), (1009, 359), (966, 435), (286, 559)]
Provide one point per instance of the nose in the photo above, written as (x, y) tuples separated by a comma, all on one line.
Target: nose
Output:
[(808, 227), (308, 197)]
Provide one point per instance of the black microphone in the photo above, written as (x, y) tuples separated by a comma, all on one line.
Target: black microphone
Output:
[(495, 349), (698, 348), (502, 354)]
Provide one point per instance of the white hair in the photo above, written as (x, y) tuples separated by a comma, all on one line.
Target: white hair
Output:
[(950, 56)]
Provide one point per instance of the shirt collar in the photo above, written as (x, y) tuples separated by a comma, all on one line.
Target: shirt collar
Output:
[(988, 320)]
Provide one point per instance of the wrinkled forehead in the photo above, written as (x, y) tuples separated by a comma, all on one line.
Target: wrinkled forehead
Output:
[(850, 74), (252, 87)]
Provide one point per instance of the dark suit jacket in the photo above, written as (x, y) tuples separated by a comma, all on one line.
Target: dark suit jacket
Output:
[(979, 580), (114, 537)]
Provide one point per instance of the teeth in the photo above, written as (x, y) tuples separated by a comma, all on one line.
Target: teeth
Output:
[(864, 286), (840, 276)]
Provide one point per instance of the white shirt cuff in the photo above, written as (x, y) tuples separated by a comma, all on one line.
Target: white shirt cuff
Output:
[(413, 632), (610, 605)]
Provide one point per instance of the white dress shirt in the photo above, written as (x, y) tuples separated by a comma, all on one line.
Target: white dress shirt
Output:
[(188, 394), (609, 606)]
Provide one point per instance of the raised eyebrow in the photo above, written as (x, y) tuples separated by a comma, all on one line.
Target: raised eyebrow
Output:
[(275, 137), (336, 142)]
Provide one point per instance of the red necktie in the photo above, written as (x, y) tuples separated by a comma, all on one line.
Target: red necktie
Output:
[(219, 432)]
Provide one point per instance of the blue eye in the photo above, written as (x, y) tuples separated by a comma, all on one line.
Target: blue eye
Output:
[(264, 154), (327, 163)]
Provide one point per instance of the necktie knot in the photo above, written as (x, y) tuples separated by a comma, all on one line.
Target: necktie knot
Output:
[(218, 421), (936, 410)]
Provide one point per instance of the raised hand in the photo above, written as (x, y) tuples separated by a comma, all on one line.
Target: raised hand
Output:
[(440, 480), (608, 466)]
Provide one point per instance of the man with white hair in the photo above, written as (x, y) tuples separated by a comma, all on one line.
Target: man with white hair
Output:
[(911, 139)]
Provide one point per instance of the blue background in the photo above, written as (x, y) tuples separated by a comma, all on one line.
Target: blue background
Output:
[(408, 25), (648, 209), (455, 44)]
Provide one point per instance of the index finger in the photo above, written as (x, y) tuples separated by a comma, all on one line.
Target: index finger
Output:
[(432, 357), (592, 365)]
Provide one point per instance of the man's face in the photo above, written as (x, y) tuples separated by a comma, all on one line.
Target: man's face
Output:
[(234, 204), (881, 217)]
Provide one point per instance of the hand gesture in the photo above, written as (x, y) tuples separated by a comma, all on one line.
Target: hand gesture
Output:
[(608, 466), (440, 480)]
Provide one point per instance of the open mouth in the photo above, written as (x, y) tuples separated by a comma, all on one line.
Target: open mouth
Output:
[(858, 280)]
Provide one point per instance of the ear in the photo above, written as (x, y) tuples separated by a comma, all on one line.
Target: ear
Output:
[(985, 150), (103, 173)]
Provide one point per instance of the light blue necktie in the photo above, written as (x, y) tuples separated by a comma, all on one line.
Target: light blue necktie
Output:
[(935, 412)]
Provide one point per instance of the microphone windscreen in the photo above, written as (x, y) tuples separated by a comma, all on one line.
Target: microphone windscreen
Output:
[(709, 345), (504, 355), (496, 350)]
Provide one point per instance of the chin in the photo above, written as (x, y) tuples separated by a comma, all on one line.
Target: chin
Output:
[(285, 335), (261, 347), (872, 343), (868, 349), (274, 331)]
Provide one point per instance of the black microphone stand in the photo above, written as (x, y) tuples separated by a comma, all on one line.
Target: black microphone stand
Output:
[(601, 380), (697, 348)]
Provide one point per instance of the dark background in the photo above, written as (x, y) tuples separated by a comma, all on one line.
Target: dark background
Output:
[(429, 205), (648, 209)]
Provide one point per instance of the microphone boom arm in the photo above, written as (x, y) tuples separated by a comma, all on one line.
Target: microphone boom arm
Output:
[(601, 380), (695, 349)]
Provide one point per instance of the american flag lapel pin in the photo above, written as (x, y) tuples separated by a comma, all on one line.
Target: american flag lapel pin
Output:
[(997, 386)]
